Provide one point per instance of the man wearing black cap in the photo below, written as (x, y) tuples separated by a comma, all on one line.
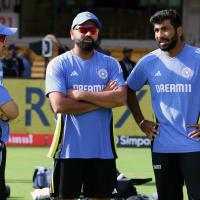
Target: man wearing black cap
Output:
[(8, 111), (126, 63), (83, 85)]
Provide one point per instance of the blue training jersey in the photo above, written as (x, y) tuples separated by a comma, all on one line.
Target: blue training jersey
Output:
[(4, 126), (88, 135), (174, 83)]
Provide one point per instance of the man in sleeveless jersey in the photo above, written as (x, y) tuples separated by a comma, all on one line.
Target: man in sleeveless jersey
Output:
[(172, 72), (83, 85), (8, 111)]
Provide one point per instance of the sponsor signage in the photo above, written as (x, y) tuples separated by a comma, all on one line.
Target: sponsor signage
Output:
[(23, 139), (133, 141), (36, 115)]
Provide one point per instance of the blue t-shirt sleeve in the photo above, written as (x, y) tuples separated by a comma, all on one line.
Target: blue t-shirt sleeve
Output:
[(4, 95), (55, 80), (4, 126), (138, 77), (116, 72)]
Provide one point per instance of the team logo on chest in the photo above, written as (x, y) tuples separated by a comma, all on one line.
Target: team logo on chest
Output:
[(102, 73), (187, 73)]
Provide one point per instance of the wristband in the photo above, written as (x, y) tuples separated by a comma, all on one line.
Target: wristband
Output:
[(141, 122)]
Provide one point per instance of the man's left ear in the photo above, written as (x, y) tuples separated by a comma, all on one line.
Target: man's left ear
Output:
[(180, 31)]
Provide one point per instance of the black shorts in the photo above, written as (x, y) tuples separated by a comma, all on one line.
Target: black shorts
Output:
[(172, 170), (2, 170), (94, 178)]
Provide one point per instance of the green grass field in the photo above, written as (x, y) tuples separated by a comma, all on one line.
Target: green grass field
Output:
[(21, 162)]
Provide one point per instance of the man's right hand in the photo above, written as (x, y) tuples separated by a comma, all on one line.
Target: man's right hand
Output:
[(149, 128)]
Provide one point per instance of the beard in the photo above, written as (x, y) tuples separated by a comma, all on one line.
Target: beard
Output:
[(85, 46), (171, 43)]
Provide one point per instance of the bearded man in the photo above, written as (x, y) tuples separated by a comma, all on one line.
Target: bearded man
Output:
[(172, 71), (83, 85)]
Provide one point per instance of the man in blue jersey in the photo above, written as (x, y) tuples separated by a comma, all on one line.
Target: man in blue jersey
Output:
[(172, 72), (8, 111), (83, 85)]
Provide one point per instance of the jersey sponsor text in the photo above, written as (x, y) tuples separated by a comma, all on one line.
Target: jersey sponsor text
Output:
[(173, 88), (90, 88)]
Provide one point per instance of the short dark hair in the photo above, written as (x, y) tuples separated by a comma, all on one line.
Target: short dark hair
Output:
[(162, 15)]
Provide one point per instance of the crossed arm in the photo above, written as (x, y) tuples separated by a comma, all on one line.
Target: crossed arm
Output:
[(78, 102)]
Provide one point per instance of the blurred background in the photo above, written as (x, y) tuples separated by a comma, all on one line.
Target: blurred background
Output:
[(125, 24)]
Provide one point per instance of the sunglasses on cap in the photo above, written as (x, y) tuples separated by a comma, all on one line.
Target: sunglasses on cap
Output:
[(3, 38), (84, 29)]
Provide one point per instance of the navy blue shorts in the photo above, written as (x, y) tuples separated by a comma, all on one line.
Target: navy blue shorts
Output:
[(93, 178)]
